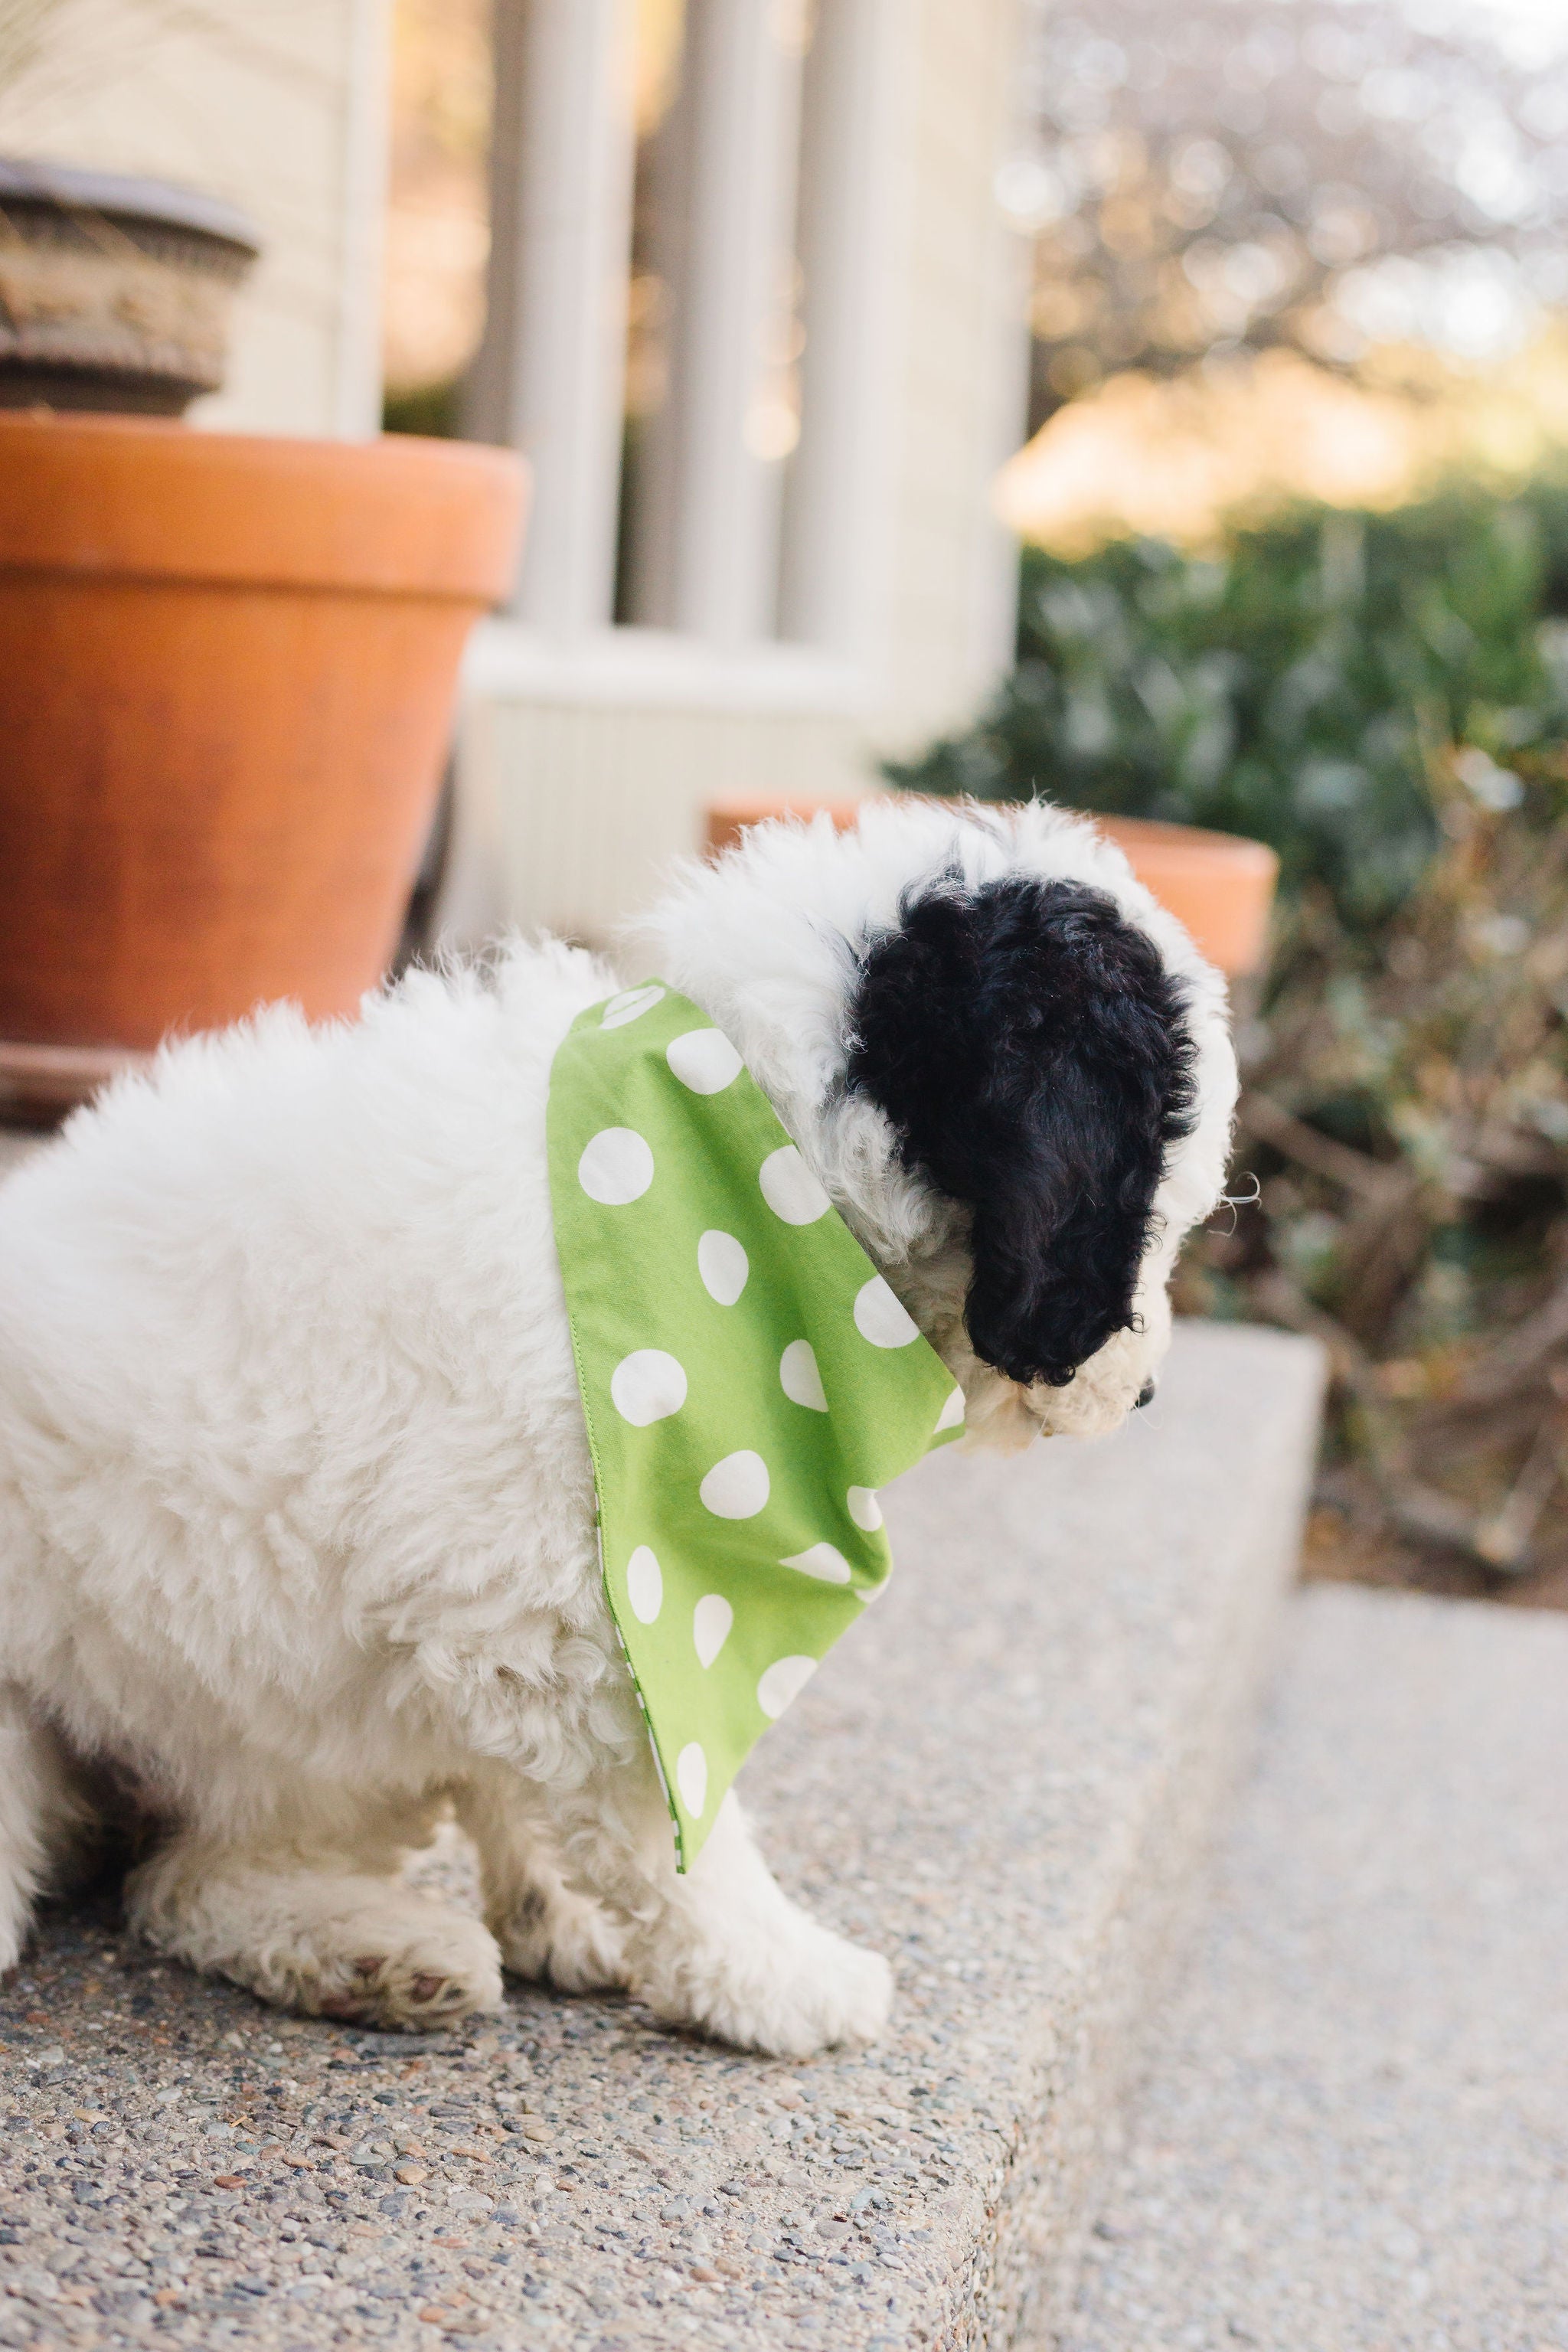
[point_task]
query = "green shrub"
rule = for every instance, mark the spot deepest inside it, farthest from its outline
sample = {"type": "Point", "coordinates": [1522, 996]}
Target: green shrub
{"type": "Point", "coordinates": [431, 409]}
{"type": "Point", "coordinates": [1385, 697]}
{"type": "Point", "coordinates": [1405, 1111]}
{"type": "Point", "coordinates": [1294, 688]}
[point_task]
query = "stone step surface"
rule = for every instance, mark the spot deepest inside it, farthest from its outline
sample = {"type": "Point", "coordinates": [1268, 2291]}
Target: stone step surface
{"type": "Point", "coordinates": [1003, 1779]}
{"type": "Point", "coordinates": [1354, 2137]}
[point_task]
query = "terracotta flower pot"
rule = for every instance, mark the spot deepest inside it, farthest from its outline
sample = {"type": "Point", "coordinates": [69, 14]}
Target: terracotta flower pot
{"type": "Point", "coordinates": [228, 667]}
{"type": "Point", "coordinates": [1219, 885]}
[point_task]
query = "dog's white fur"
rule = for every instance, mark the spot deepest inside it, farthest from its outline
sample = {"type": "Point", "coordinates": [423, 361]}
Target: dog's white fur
{"type": "Point", "coordinates": [296, 1505]}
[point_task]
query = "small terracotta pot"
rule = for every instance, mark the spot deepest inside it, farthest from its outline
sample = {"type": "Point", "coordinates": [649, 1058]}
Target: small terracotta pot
{"type": "Point", "coordinates": [227, 666]}
{"type": "Point", "coordinates": [1220, 885]}
{"type": "Point", "coordinates": [1216, 884]}
{"type": "Point", "coordinates": [728, 818]}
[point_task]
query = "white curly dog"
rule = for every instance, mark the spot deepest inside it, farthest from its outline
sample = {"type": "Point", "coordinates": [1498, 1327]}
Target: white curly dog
{"type": "Point", "coordinates": [297, 1545]}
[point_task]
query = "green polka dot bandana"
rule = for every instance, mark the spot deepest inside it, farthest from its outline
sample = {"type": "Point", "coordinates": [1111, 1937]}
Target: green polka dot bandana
{"type": "Point", "coordinates": [750, 1381]}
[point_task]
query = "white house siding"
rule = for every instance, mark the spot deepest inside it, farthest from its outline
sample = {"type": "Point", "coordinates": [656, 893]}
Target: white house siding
{"type": "Point", "coordinates": [280, 109]}
{"type": "Point", "coordinates": [574, 814]}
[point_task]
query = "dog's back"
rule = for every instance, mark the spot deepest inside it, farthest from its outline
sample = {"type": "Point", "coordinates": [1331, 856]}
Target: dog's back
{"type": "Point", "coordinates": [285, 1390]}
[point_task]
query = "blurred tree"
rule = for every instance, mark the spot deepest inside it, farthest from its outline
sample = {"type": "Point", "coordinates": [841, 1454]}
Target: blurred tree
{"type": "Point", "coordinates": [1327, 174]}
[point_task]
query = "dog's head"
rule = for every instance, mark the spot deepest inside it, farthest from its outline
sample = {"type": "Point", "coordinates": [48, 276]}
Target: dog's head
{"type": "Point", "coordinates": [1010, 1068]}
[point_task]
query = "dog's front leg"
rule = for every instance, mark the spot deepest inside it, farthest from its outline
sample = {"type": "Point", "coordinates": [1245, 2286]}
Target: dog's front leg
{"type": "Point", "coordinates": [315, 1928]}
{"type": "Point", "coordinates": [721, 1949]}
{"type": "Point", "coordinates": [546, 1931]}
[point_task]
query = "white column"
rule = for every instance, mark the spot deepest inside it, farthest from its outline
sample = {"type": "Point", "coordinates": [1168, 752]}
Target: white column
{"type": "Point", "coordinates": [994, 606]}
{"type": "Point", "coordinates": [743, 106]}
{"type": "Point", "coordinates": [549, 377]}
{"type": "Point", "coordinates": [854, 209]}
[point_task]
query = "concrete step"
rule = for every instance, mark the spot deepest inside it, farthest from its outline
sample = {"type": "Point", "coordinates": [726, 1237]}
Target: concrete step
{"type": "Point", "coordinates": [1003, 1780]}
{"type": "Point", "coordinates": [1355, 2135]}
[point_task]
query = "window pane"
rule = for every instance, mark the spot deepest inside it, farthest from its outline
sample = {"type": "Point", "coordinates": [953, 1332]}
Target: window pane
{"type": "Point", "coordinates": [437, 219]}
{"type": "Point", "coordinates": [644, 566]}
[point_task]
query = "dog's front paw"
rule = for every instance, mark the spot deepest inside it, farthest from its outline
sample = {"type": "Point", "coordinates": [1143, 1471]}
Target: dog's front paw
{"type": "Point", "coordinates": [786, 1990]}
{"type": "Point", "coordinates": [411, 1971]}
{"type": "Point", "coordinates": [554, 1937]}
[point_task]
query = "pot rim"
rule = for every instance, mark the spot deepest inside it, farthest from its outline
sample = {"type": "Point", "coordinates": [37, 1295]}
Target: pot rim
{"type": "Point", "coordinates": [117, 499]}
{"type": "Point", "coordinates": [35, 181]}
{"type": "Point", "coordinates": [1191, 845]}
{"type": "Point", "coordinates": [1162, 835]}
{"type": "Point", "coordinates": [1219, 886]}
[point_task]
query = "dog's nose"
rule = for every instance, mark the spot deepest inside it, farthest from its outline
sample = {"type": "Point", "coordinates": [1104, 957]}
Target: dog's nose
{"type": "Point", "coordinates": [1144, 1396]}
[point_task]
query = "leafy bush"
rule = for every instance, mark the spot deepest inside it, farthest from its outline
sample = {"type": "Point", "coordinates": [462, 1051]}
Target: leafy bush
{"type": "Point", "coordinates": [1405, 1110]}
{"type": "Point", "coordinates": [1386, 699]}
{"type": "Point", "coordinates": [1294, 687]}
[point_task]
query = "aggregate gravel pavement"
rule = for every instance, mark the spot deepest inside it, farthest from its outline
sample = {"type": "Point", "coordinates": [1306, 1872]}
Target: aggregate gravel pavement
{"type": "Point", "coordinates": [181, 2167]}
{"type": "Point", "coordinates": [1354, 2137]}
{"type": "Point", "coordinates": [975, 1783]}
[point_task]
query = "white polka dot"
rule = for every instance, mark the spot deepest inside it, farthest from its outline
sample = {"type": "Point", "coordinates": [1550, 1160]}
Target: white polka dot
{"type": "Point", "coordinates": [737, 1488]}
{"type": "Point", "coordinates": [952, 1414]}
{"type": "Point", "coordinates": [782, 1684]}
{"type": "Point", "coordinates": [692, 1778]}
{"type": "Point", "coordinates": [864, 1508]}
{"type": "Point", "coordinates": [824, 1561]}
{"type": "Point", "coordinates": [629, 1005]}
{"type": "Point", "coordinates": [703, 1060]}
{"type": "Point", "coordinates": [790, 1188]}
{"type": "Point", "coordinates": [798, 1375]}
{"type": "Point", "coordinates": [723, 1266]}
{"type": "Point", "coordinates": [644, 1585]}
{"type": "Point", "coordinates": [879, 1317]}
{"type": "Point", "coordinates": [647, 1385]}
{"type": "Point", "coordinates": [616, 1167]}
{"type": "Point", "coordinates": [710, 1623]}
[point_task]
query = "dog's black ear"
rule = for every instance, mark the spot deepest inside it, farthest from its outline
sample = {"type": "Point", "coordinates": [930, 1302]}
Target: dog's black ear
{"type": "Point", "coordinates": [1030, 1049]}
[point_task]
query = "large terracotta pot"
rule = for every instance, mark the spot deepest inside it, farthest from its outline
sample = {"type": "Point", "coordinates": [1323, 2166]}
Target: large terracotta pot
{"type": "Point", "coordinates": [227, 668]}
{"type": "Point", "coordinates": [1219, 885]}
